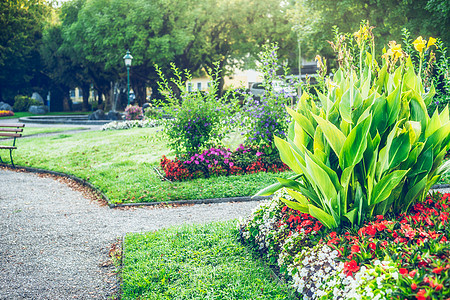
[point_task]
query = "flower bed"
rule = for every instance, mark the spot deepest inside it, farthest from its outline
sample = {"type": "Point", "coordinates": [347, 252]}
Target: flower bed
{"type": "Point", "coordinates": [218, 161]}
{"type": "Point", "coordinates": [392, 257]}
{"type": "Point", "coordinates": [119, 125]}
{"type": "Point", "coordinates": [6, 113]}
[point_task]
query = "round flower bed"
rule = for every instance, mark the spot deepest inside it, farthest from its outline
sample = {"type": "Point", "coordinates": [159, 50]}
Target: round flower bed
{"type": "Point", "coordinates": [218, 161]}
{"type": "Point", "coordinates": [392, 257]}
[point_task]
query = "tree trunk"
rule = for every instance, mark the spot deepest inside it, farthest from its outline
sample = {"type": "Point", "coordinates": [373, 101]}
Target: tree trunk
{"type": "Point", "coordinates": [139, 88]}
{"type": "Point", "coordinates": [86, 91]}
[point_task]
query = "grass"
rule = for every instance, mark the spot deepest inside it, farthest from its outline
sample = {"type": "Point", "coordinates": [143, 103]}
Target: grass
{"type": "Point", "coordinates": [120, 163]}
{"type": "Point", "coordinates": [195, 262]}
{"type": "Point", "coordinates": [27, 114]}
{"type": "Point", "coordinates": [40, 130]}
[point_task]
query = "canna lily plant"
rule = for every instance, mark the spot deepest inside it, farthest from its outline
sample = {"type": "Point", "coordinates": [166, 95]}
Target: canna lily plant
{"type": "Point", "coordinates": [369, 147]}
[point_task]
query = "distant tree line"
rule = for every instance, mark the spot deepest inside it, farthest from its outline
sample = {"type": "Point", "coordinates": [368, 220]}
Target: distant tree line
{"type": "Point", "coordinates": [53, 48]}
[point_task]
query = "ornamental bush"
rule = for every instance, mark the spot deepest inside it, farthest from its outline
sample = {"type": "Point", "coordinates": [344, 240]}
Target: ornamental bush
{"type": "Point", "coordinates": [369, 147]}
{"type": "Point", "coordinates": [200, 119]}
{"type": "Point", "coordinates": [133, 112]}
{"type": "Point", "coordinates": [23, 103]}
{"type": "Point", "coordinates": [265, 116]}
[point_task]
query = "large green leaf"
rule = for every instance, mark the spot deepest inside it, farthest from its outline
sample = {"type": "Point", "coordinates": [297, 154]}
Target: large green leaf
{"type": "Point", "coordinates": [435, 140]}
{"type": "Point", "coordinates": [302, 121]}
{"type": "Point", "coordinates": [384, 187]}
{"type": "Point", "coordinates": [411, 195]}
{"type": "Point", "coordinates": [299, 197]}
{"type": "Point", "coordinates": [355, 144]}
{"type": "Point", "coordinates": [444, 168]}
{"type": "Point", "coordinates": [393, 106]}
{"type": "Point", "coordinates": [434, 124]}
{"type": "Point", "coordinates": [334, 136]}
{"type": "Point", "coordinates": [321, 178]}
{"type": "Point", "coordinates": [399, 150]}
{"type": "Point", "coordinates": [429, 96]}
{"type": "Point", "coordinates": [286, 155]}
{"type": "Point", "coordinates": [296, 206]}
{"type": "Point", "coordinates": [418, 110]}
{"type": "Point", "coordinates": [324, 218]}
{"type": "Point", "coordinates": [275, 187]}
{"type": "Point", "coordinates": [379, 116]}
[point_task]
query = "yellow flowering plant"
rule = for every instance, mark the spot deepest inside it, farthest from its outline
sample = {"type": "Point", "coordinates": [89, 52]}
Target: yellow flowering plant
{"type": "Point", "coordinates": [369, 147]}
{"type": "Point", "coordinates": [419, 45]}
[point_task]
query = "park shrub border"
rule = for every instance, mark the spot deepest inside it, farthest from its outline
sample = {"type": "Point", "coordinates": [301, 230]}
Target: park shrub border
{"type": "Point", "coordinates": [405, 256]}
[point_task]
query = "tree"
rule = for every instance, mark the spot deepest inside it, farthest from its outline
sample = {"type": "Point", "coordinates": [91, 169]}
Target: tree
{"type": "Point", "coordinates": [421, 17]}
{"type": "Point", "coordinates": [21, 24]}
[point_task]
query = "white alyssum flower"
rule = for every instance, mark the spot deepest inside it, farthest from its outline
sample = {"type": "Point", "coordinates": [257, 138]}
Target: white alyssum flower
{"type": "Point", "coordinates": [120, 125]}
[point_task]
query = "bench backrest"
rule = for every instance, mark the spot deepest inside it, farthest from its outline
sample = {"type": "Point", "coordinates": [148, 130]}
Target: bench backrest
{"type": "Point", "coordinates": [11, 130]}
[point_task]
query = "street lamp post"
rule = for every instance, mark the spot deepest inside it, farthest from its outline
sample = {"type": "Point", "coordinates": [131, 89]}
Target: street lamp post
{"type": "Point", "coordinates": [128, 58]}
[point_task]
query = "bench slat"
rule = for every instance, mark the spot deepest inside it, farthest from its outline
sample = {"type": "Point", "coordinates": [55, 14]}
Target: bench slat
{"type": "Point", "coordinates": [10, 134]}
{"type": "Point", "coordinates": [8, 147]}
{"type": "Point", "coordinates": [11, 129]}
{"type": "Point", "coordinates": [12, 125]}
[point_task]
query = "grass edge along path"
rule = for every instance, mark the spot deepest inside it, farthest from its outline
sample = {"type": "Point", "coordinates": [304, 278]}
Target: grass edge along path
{"type": "Point", "coordinates": [120, 164]}
{"type": "Point", "coordinates": [195, 262]}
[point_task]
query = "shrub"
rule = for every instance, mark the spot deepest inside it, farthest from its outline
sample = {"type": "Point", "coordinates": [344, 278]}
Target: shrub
{"type": "Point", "coordinates": [200, 120]}
{"type": "Point", "coordinates": [23, 103]}
{"type": "Point", "coordinates": [265, 116]}
{"type": "Point", "coordinates": [133, 112]}
{"type": "Point", "coordinates": [370, 147]}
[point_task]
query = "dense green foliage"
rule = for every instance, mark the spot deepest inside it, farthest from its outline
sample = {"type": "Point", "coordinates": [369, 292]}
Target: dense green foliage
{"type": "Point", "coordinates": [195, 262]}
{"type": "Point", "coordinates": [370, 146]}
{"type": "Point", "coordinates": [23, 103]}
{"type": "Point", "coordinates": [199, 119]}
{"type": "Point", "coordinates": [20, 33]}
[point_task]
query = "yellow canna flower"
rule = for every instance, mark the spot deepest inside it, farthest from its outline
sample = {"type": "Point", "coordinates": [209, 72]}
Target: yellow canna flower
{"type": "Point", "coordinates": [419, 44]}
{"type": "Point", "coordinates": [395, 49]}
{"type": "Point", "coordinates": [431, 42]}
{"type": "Point", "coordinates": [318, 59]}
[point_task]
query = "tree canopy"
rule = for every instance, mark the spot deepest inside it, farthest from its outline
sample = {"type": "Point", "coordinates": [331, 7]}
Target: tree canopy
{"type": "Point", "coordinates": [21, 25]}
{"type": "Point", "coordinates": [82, 42]}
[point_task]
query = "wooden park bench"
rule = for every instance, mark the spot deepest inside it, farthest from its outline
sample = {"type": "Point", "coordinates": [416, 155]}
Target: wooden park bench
{"type": "Point", "coordinates": [11, 131]}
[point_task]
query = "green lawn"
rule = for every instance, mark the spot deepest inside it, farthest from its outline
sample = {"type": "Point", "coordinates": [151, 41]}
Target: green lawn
{"type": "Point", "coordinates": [195, 262]}
{"type": "Point", "coordinates": [120, 163]}
{"type": "Point", "coordinates": [27, 114]}
{"type": "Point", "coordinates": [39, 130]}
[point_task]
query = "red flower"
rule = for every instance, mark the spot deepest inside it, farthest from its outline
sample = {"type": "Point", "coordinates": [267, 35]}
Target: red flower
{"type": "Point", "coordinates": [351, 267]}
{"type": "Point", "coordinates": [421, 295]}
{"type": "Point", "coordinates": [437, 270]}
{"type": "Point", "coordinates": [412, 273]}
{"type": "Point", "coordinates": [403, 271]}
{"type": "Point", "coordinates": [355, 249]}
{"type": "Point", "coordinates": [413, 286]}
{"type": "Point", "coordinates": [439, 287]}
{"type": "Point", "coordinates": [371, 230]}
{"type": "Point", "coordinates": [373, 246]}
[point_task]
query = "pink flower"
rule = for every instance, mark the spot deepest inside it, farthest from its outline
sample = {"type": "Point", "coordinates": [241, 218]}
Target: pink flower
{"type": "Point", "coordinates": [259, 153]}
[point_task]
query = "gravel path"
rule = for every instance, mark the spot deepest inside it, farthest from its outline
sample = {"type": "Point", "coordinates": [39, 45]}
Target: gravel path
{"type": "Point", "coordinates": [54, 242]}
